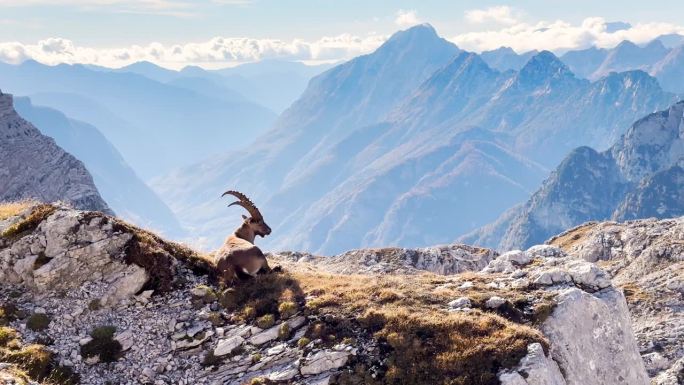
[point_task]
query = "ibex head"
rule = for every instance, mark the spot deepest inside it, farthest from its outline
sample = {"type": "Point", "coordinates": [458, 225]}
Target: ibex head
{"type": "Point", "coordinates": [255, 221]}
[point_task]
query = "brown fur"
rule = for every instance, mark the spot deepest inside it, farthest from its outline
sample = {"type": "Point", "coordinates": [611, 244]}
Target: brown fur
{"type": "Point", "coordinates": [239, 257]}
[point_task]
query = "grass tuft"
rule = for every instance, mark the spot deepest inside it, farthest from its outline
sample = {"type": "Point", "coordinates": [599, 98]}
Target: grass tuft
{"type": "Point", "coordinates": [38, 214]}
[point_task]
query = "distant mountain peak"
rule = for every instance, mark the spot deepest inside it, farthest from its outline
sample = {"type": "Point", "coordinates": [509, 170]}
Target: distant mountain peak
{"type": "Point", "coordinates": [419, 33]}
{"type": "Point", "coordinates": [544, 67]}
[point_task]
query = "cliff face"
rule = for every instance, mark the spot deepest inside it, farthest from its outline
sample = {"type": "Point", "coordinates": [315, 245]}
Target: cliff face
{"type": "Point", "coordinates": [32, 166]}
{"type": "Point", "coordinates": [646, 260]}
{"type": "Point", "coordinates": [120, 304]}
{"type": "Point", "coordinates": [640, 176]}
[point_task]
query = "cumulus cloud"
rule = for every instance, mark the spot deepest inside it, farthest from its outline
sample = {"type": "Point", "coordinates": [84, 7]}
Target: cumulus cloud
{"type": "Point", "coordinates": [216, 52]}
{"type": "Point", "coordinates": [406, 18]}
{"type": "Point", "coordinates": [501, 14]}
{"type": "Point", "coordinates": [561, 36]}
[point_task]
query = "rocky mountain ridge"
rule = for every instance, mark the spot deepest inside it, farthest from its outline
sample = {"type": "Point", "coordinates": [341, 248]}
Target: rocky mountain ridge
{"type": "Point", "coordinates": [640, 176]}
{"type": "Point", "coordinates": [167, 322]}
{"type": "Point", "coordinates": [32, 166]}
{"type": "Point", "coordinates": [366, 161]}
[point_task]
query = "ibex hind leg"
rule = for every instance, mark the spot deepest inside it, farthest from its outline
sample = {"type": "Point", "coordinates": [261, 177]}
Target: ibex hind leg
{"type": "Point", "coordinates": [229, 277]}
{"type": "Point", "coordinates": [242, 275]}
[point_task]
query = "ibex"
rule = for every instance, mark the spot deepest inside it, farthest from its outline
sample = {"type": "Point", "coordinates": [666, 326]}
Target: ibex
{"type": "Point", "coordinates": [239, 257]}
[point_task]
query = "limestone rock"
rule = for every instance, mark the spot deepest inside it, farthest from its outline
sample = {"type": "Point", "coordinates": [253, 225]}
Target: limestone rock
{"type": "Point", "coordinates": [323, 361]}
{"type": "Point", "coordinates": [226, 346]}
{"type": "Point", "coordinates": [582, 319]}
{"type": "Point", "coordinates": [534, 369]}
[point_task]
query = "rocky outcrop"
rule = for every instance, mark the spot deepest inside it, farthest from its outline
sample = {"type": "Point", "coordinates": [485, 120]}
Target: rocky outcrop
{"type": "Point", "coordinates": [32, 166]}
{"type": "Point", "coordinates": [95, 280]}
{"type": "Point", "coordinates": [646, 259]}
{"type": "Point", "coordinates": [445, 260]}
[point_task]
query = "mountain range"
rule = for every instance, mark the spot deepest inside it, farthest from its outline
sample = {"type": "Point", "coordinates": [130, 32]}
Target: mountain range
{"type": "Point", "coordinates": [663, 61]}
{"type": "Point", "coordinates": [155, 126]}
{"type": "Point", "coordinates": [32, 166]}
{"type": "Point", "coordinates": [640, 176]}
{"type": "Point", "coordinates": [116, 182]}
{"type": "Point", "coordinates": [362, 159]}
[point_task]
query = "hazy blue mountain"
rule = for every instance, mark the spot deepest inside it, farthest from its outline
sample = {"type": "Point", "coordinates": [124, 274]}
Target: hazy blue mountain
{"type": "Point", "coordinates": [670, 70]}
{"type": "Point", "coordinates": [629, 56]}
{"type": "Point", "coordinates": [640, 176]}
{"type": "Point", "coordinates": [662, 58]}
{"type": "Point", "coordinates": [404, 185]}
{"type": "Point", "coordinates": [33, 166]}
{"type": "Point", "coordinates": [275, 84]}
{"type": "Point", "coordinates": [167, 126]}
{"type": "Point", "coordinates": [149, 70]}
{"type": "Point", "coordinates": [504, 58]}
{"type": "Point", "coordinates": [362, 159]}
{"type": "Point", "coordinates": [671, 40]}
{"type": "Point", "coordinates": [584, 62]}
{"type": "Point", "coordinates": [117, 183]}
{"type": "Point", "coordinates": [336, 103]}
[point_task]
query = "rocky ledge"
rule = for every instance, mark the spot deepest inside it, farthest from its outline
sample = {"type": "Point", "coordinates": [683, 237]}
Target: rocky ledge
{"type": "Point", "coordinates": [105, 302]}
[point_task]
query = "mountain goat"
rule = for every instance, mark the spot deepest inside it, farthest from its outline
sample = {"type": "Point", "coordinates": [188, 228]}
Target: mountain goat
{"type": "Point", "coordinates": [239, 257]}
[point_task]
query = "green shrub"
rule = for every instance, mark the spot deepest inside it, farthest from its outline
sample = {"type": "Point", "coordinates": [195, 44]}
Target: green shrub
{"type": "Point", "coordinates": [38, 322]}
{"type": "Point", "coordinates": [94, 305]}
{"type": "Point", "coordinates": [103, 345]}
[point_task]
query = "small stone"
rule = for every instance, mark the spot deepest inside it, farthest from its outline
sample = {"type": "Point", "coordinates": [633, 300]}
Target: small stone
{"type": "Point", "coordinates": [459, 303]}
{"type": "Point", "coordinates": [149, 373]}
{"type": "Point", "coordinates": [227, 346]}
{"type": "Point", "coordinates": [494, 302]}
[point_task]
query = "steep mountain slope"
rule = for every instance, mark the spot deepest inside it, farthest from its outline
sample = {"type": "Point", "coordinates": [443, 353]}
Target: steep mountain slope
{"type": "Point", "coordinates": [181, 126]}
{"type": "Point", "coordinates": [335, 105]}
{"type": "Point", "coordinates": [118, 184]}
{"type": "Point", "coordinates": [670, 70]}
{"type": "Point", "coordinates": [640, 176]}
{"type": "Point", "coordinates": [32, 166]}
{"type": "Point", "coordinates": [351, 178]}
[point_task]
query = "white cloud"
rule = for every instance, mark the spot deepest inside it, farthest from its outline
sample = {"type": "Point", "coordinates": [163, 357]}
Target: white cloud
{"type": "Point", "coordinates": [406, 18]}
{"type": "Point", "coordinates": [561, 36]}
{"type": "Point", "coordinates": [216, 52]}
{"type": "Point", "coordinates": [501, 14]}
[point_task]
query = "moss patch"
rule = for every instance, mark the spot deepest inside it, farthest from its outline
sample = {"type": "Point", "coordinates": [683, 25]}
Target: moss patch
{"type": "Point", "coordinates": [103, 345]}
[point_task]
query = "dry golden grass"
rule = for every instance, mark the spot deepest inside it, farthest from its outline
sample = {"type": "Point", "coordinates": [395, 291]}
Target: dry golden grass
{"type": "Point", "coordinates": [568, 240]}
{"type": "Point", "coordinates": [28, 224]}
{"type": "Point", "coordinates": [34, 361]}
{"type": "Point", "coordinates": [155, 255]}
{"type": "Point", "coordinates": [425, 343]}
{"type": "Point", "coordinates": [10, 209]}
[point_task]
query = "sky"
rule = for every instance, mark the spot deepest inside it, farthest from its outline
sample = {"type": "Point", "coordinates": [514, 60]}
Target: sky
{"type": "Point", "coordinates": [221, 33]}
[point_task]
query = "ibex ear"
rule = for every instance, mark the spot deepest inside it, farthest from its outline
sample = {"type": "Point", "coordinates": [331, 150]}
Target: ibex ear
{"type": "Point", "coordinates": [244, 216]}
